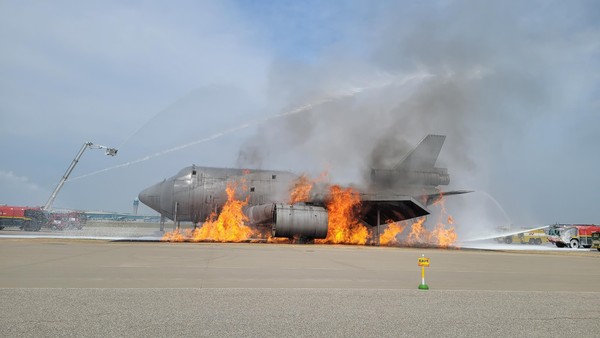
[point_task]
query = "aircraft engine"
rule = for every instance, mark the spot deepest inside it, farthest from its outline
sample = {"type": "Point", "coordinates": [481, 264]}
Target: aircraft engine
{"type": "Point", "coordinates": [291, 220]}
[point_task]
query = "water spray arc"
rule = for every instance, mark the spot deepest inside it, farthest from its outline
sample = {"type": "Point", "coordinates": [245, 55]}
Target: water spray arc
{"type": "Point", "coordinates": [301, 109]}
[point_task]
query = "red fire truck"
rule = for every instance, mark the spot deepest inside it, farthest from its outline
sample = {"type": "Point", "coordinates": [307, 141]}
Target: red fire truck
{"type": "Point", "coordinates": [34, 218]}
{"type": "Point", "coordinates": [572, 235]}
{"type": "Point", "coordinates": [26, 218]}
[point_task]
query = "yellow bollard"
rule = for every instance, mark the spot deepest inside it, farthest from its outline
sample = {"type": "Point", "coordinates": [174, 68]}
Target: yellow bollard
{"type": "Point", "coordinates": [423, 262]}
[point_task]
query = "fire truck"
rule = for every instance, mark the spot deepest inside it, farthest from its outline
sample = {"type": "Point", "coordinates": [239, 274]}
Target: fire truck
{"type": "Point", "coordinates": [26, 218]}
{"type": "Point", "coordinates": [33, 218]}
{"type": "Point", "coordinates": [596, 240]}
{"type": "Point", "coordinates": [572, 235]}
{"type": "Point", "coordinates": [531, 236]}
{"type": "Point", "coordinates": [536, 237]}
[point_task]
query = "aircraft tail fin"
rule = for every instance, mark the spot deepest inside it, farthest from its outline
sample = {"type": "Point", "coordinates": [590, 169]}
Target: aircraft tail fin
{"type": "Point", "coordinates": [424, 155]}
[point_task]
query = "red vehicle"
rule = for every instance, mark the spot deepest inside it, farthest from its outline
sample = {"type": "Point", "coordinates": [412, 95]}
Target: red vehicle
{"type": "Point", "coordinates": [572, 235]}
{"type": "Point", "coordinates": [26, 218]}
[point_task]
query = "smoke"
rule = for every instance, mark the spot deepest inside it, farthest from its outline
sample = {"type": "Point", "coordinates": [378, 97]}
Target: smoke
{"type": "Point", "coordinates": [482, 73]}
{"type": "Point", "coordinates": [336, 132]}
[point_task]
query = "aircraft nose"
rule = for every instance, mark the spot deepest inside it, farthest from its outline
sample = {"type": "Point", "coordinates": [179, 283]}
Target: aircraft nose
{"type": "Point", "coordinates": [151, 196]}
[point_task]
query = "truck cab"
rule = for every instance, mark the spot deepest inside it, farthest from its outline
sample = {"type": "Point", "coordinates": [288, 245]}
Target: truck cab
{"type": "Point", "coordinates": [596, 240]}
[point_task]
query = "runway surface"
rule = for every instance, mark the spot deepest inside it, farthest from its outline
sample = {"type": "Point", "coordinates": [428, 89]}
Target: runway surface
{"type": "Point", "coordinates": [69, 287]}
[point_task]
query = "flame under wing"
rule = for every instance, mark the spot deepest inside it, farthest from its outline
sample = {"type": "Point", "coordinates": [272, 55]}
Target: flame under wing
{"type": "Point", "coordinates": [387, 208]}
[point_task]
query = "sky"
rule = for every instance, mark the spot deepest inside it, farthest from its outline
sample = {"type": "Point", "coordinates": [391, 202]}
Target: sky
{"type": "Point", "coordinates": [514, 85]}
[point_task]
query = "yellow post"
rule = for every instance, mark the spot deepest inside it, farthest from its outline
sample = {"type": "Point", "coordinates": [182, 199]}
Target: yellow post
{"type": "Point", "coordinates": [423, 262]}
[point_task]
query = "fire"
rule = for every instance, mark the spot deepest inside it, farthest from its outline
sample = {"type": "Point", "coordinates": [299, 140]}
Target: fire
{"type": "Point", "coordinates": [389, 235]}
{"type": "Point", "coordinates": [229, 226]}
{"type": "Point", "coordinates": [303, 186]}
{"type": "Point", "coordinates": [174, 236]}
{"type": "Point", "coordinates": [445, 237]}
{"type": "Point", "coordinates": [278, 240]}
{"type": "Point", "coordinates": [344, 226]}
{"type": "Point", "coordinates": [301, 190]}
{"type": "Point", "coordinates": [443, 234]}
{"type": "Point", "coordinates": [418, 234]}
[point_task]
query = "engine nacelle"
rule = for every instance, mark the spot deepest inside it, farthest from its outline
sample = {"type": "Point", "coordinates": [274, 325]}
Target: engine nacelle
{"type": "Point", "coordinates": [291, 220]}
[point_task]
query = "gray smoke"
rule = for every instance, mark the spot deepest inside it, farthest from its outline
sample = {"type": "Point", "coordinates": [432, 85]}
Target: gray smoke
{"type": "Point", "coordinates": [486, 74]}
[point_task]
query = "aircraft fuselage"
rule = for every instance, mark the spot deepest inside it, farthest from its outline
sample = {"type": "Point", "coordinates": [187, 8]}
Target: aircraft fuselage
{"type": "Point", "coordinates": [195, 192]}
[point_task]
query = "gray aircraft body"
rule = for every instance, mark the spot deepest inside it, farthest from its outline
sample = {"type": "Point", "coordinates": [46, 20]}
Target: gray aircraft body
{"type": "Point", "coordinates": [394, 194]}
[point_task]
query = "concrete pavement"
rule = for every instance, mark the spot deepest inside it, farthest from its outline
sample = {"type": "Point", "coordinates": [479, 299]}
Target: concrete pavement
{"type": "Point", "coordinates": [80, 288]}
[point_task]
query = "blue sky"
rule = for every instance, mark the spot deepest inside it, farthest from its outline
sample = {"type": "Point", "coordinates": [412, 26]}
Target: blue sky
{"type": "Point", "coordinates": [513, 84]}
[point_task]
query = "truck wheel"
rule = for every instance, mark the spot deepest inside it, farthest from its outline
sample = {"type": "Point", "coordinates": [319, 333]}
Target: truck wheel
{"type": "Point", "coordinates": [538, 241]}
{"type": "Point", "coordinates": [574, 244]}
{"type": "Point", "coordinates": [508, 240]}
{"type": "Point", "coordinates": [560, 245]}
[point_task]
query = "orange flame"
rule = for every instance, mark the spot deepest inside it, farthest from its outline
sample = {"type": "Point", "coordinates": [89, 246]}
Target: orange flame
{"type": "Point", "coordinates": [418, 234]}
{"type": "Point", "coordinates": [278, 240]}
{"type": "Point", "coordinates": [174, 236]}
{"type": "Point", "coordinates": [301, 190]}
{"type": "Point", "coordinates": [389, 236]}
{"type": "Point", "coordinates": [343, 225]}
{"type": "Point", "coordinates": [229, 226]}
{"type": "Point", "coordinates": [443, 235]}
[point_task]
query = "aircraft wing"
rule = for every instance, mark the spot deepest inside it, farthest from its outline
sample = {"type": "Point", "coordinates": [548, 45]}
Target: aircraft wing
{"type": "Point", "coordinates": [391, 208]}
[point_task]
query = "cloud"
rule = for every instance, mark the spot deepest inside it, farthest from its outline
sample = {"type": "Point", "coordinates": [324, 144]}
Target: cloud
{"type": "Point", "coordinates": [93, 64]}
{"type": "Point", "coordinates": [512, 84]}
{"type": "Point", "coordinates": [77, 72]}
{"type": "Point", "coordinates": [17, 190]}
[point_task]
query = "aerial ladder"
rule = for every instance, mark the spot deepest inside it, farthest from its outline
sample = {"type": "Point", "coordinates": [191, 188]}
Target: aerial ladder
{"type": "Point", "coordinates": [86, 145]}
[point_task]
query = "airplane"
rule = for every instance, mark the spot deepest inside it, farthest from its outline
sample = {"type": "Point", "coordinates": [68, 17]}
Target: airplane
{"type": "Point", "coordinates": [394, 194]}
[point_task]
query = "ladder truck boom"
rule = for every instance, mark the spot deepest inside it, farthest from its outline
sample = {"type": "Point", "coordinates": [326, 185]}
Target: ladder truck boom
{"type": "Point", "coordinates": [86, 145]}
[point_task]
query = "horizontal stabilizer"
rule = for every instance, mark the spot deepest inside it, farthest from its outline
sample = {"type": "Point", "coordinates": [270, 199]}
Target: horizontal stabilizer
{"type": "Point", "coordinates": [432, 198]}
{"type": "Point", "coordinates": [391, 208]}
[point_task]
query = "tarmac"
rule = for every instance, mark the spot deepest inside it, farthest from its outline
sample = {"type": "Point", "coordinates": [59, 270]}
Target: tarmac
{"type": "Point", "coordinates": [90, 288]}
